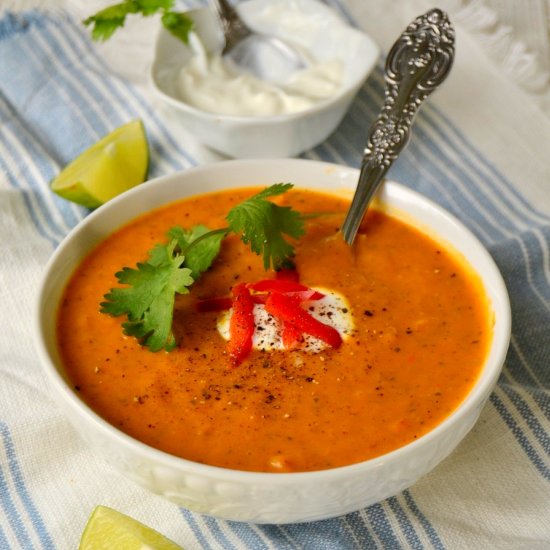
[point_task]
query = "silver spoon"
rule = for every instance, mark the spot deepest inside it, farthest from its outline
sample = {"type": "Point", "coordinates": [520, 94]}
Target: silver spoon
{"type": "Point", "coordinates": [266, 57]}
{"type": "Point", "coordinates": [417, 64]}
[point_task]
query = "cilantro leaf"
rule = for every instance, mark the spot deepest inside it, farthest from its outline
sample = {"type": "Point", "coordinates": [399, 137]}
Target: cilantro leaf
{"type": "Point", "coordinates": [149, 7]}
{"type": "Point", "coordinates": [148, 300]}
{"type": "Point", "coordinates": [264, 224]}
{"type": "Point", "coordinates": [106, 21]}
{"type": "Point", "coordinates": [199, 257]}
{"type": "Point", "coordinates": [157, 255]}
{"type": "Point", "coordinates": [179, 24]}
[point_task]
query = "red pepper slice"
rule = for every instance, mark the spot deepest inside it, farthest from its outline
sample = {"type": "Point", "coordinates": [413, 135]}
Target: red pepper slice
{"type": "Point", "coordinates": [290, 335]}
{"type": "Point", "coordinates": [288, 310]}
{"type": "Point", "coordinates": [241, 325]}
{"type": "Point", "coordinates": [259, 298]}
{"type": "Point", "coordinates": [213, 304]}
{"type": "Point", "coordinates": [276, 285]}
{"type": "Point", "coordinates": [306, 295]}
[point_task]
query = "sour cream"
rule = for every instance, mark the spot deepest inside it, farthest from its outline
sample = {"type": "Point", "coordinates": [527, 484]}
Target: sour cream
{"type": "Point", "coordinates": [333, 310]}
{"type": "Point", "coordinates": [209, 83]}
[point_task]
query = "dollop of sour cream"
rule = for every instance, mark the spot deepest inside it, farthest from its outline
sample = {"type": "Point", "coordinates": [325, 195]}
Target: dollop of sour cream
{"type": "Point", "coordinates": [333, 309]}
{"type": "Point", "coordinates": [209, 83]}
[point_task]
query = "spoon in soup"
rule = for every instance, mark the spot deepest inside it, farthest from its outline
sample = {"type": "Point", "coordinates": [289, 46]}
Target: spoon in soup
{"type": "Point", "coordinates": [416, 65]}
{"type": "Point", "coordinates": [264, 56]}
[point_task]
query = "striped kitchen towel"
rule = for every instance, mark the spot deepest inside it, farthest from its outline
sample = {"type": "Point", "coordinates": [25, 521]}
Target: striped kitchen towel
{"type": "Point", "coordinates": [58, 95]}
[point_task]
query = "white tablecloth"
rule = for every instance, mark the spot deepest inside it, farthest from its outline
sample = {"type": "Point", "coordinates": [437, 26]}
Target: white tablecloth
{"type": "Point", "coordinates": [481, 148]}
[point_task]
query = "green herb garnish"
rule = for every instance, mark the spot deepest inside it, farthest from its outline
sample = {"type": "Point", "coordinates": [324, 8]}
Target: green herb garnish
{"type": "Point", "coordinates": [264, 224]}
{"type": "Point", "coordinates": [149, 297]}
{"type": "Point", "coordinates": [148, 300]}
{"type": "Point", "coordinates": [106, 21]}
{"type": "Point", "coordinates": [206, 246]}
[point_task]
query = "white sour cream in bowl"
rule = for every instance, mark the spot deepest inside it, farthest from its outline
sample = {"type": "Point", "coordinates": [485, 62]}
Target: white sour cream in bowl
{"type": "Point", "coordinates": [211, 84]}
{"type": "Point", "coordinates": [240, 116]}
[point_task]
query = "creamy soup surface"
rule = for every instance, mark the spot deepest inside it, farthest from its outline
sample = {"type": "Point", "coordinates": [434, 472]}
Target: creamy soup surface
{"type": "Point", "coordinates": [421, 331]}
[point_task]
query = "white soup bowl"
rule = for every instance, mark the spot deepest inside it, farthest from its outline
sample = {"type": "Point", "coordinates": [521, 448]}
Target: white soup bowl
{"type": "Point", "coordinates": [267, 497]}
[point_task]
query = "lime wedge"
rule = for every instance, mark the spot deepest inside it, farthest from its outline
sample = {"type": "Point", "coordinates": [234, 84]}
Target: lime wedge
{"type": "Point", "coordinates": [114, 164]}
{"type": "Point", "coordinates": [107, 529]}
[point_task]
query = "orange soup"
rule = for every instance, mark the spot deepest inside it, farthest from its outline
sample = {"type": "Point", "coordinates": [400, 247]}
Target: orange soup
{"type": "Point", "coordinates": [421, 331]}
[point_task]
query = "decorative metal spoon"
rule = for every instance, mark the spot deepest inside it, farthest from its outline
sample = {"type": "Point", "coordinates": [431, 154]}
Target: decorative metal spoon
{"type": "Point", "coordinates": [266, 57]}
{"type": "Point", "coordinates": [417, 64]}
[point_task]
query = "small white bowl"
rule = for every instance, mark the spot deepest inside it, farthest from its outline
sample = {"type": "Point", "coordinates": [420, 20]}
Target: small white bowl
{"type": "Point", "coordinates": [267, 497]}
{"type": "Point", "coordinates": [285, 135]}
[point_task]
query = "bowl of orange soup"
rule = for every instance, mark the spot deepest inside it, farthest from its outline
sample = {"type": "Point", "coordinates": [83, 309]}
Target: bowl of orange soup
{"type": "Point", "coordinates": [375, 376]}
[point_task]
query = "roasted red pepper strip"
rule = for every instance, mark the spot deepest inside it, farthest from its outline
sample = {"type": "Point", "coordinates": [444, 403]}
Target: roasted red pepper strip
{"type": "Point", "coordinates": [290, 335]}
{"type": "Point", "coordinates": [241, 325]}
{"type": "Point", "coordinates": [306, 295]}
{"type": "Point", "coordinates": [213, 304]}
{"type": "Point", "coordinates": [288, 310]}
{"type": "Point", "coordinates": [276, 285]}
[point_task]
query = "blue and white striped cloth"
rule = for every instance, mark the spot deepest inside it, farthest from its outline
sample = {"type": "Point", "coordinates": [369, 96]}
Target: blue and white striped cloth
{"type": "Point", "coordinates": [57, 97]}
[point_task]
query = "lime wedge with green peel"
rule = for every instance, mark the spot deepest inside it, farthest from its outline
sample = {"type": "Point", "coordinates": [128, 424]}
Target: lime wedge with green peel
{"type": "Point", "coordinates": [114, 164]}
{"type": "Point", "coordinates": [107, 529]}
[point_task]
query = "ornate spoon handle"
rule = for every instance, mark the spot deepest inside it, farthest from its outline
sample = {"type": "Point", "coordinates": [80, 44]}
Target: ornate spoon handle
{"type": "Point", "coordinates": [417, 64]}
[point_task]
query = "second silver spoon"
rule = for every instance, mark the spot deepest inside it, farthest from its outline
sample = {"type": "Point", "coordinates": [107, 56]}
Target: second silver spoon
{"type": "Point", "coordinates": [417, 64]}
{"type": "Point", "coordinates": [264, 56]}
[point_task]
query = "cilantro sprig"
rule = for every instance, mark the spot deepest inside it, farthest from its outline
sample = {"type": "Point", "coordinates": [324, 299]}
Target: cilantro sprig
{"type": "Point", "coordinates": [148, 298]}
{"type": "Point", "coordinates": [106, 21]}
{"type": "Point", "coordinates": [263, 224]}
